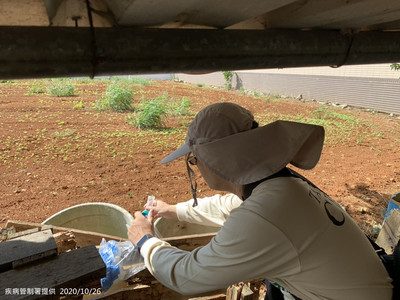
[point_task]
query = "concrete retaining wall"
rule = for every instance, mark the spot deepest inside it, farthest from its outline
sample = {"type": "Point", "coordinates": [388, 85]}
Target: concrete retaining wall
{"type": "Point", "coordinates": [376, 92]}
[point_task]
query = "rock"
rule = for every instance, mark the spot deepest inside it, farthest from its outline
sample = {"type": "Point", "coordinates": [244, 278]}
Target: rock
{"type": "Point", "coordinates": [375, 229]}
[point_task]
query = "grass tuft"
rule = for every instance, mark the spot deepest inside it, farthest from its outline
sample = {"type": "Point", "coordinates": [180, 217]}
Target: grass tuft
{"type": "Point", "coordinates": [117, 98]}
{"type": "Point", "coordinates": [61, 89]}
{"type": "Point", "coordinates": [150, 115]}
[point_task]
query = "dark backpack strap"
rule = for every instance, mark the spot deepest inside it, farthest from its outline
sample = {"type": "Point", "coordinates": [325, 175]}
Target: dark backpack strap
{"type": "Point", "coordinates": [378, 249]}
{"type": "Point", "coordinates": [392, 265]}
{"type": "Point", "coordinates": [295, 174]}
{"type": "Point", "coordinates": [275, 293]}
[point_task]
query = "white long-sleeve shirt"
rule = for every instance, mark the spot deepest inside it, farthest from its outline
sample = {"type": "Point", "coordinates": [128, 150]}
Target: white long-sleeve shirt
{"type": "Point", "coordinates": [288, 232]}
{"type": "Point", "coordinates": [210, 211]}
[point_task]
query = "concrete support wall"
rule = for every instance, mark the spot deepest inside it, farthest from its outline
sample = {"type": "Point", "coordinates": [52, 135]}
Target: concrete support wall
{"type": "Point", "coordinates": [379, 94]}
{"type": "Point", "coordinates": [213, 79]}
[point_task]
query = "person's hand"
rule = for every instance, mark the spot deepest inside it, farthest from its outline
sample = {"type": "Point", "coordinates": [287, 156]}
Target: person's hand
{"type": "Point", "coordinates": [140, 227]}
{"type": "Point", "coordinates": [159, 209]}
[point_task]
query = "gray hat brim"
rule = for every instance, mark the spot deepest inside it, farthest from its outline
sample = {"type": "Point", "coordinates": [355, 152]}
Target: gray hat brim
{"type": "Point", "coordinates": [255, 154]}
{"type": "Point", "coordinates": [181, 151]}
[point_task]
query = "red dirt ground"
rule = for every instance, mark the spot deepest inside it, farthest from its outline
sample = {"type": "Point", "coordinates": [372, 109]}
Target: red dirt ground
{"type": "Point", "coordinates": [58, 152]}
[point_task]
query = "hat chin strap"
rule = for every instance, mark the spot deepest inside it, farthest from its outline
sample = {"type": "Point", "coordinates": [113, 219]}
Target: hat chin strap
{"type": "Point", "coordinates": [192, 179]}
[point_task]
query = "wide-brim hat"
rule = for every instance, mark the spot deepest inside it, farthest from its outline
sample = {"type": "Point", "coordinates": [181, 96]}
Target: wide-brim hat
{"type": "Point", "coordinates": [222, 136]}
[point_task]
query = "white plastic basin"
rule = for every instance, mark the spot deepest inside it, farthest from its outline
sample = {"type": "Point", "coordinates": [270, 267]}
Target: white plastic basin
{"type": "Point", "coordinates": [104, 218]}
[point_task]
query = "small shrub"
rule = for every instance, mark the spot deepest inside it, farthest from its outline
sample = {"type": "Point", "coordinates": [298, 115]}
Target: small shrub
{"type": "Point", "coordinates": [117, 98]}
{"type": "Point", "coordinates": [149, 116]}
{"type": "Point", "coordinates": [395, 66]}
{"type": "Point", "coordinates": [178, 107]}
{"type": "Point", "coordinates": [59, 89]}
{"type": "Point", "coordinates": [256, 94]}
{"type": "Point", "coordinates": [228, 79]}
{"type": "Point", "coordinates": [183, 108]}
{"type": "Point", "coordinates": [35, 90]}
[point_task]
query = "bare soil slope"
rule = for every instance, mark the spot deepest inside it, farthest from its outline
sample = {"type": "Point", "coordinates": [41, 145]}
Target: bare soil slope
{"type": "Point", "coordinates": [56, 152]}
